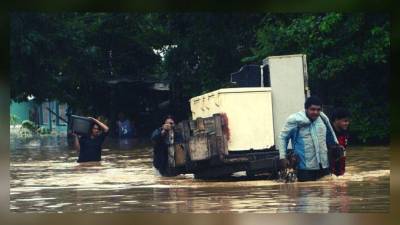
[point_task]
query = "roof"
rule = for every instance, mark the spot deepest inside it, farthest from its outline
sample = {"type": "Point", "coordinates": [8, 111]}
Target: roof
{"type": "Point", "coordinates": [152, 84]}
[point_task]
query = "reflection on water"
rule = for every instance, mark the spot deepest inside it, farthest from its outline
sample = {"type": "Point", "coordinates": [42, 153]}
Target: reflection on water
{"type": "Point", "coordinates": [44, 177]}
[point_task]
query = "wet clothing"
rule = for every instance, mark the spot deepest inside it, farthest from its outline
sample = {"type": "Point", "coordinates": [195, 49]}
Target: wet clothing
{"type": "Point", "coordinates": [311, 175]}
{"type": "Point", "coordinates": [338, 157]}
{"type": "Point", "coordinates": [309, 140]}
{"type": "Point", "coordinates": [160, 152]}
{"type": "Point", "coordinates": [90, 148]}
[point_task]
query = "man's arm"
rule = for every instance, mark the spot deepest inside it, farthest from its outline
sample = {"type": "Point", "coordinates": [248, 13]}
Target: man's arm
{"type": "Point", "coordinates": [160, 132]}
{"type": "Point", "coordinates": [330, 133]}
{"type": "Point", "coordinates": [156, 135]}
{"type": "Point", "coordinates": [77, 146]}
{"type": "Point", "coordinates": [102, 125]}
{"type": "Point", "coordinates": [285, 135]}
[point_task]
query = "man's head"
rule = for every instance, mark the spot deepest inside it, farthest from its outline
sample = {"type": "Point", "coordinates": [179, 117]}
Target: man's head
{"type": "Point", "coordinates": [95, 130]}
{"type": "Point", "coordinates": [313, 106]}
{"type": "Point", "coordinates": [121, 116]}
{"type": "Point", "coordinates": [169, 120]}
{"type": "Point", "coordinates": [341, 118]}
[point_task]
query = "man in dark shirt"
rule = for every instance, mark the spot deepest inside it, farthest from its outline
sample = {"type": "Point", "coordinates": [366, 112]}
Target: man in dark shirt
{"type": "Point", "coordinates": [163, 138]}
{"type": "Point", "coordinates": [340, 123]}
{"type": "Point", "coordinates": [89, 147]}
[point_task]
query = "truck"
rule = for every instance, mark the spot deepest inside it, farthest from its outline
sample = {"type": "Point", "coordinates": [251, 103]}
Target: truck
{"type": "Point", "coordinates": [236, 129]}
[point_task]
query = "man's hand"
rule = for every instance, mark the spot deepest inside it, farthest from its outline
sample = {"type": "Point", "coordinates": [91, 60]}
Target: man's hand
{"type": "Point", "coordinates": [102, 125]}
{"type": "Point", "coordinates": [284, 163]}
{"type": "Point", "coordinates": [165, 127]}
{"type": "Point", "coordinates": [336, 151]}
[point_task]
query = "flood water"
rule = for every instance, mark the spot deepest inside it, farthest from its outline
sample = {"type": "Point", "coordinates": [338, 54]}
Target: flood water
{"type": "Point", "coordinates": [44, 177]}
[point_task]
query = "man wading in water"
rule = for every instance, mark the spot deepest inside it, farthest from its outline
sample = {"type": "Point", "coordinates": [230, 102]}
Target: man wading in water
{"type": "Point", "coordinates": [163, 138]}
{"type": "Point", "coordinates": [89, 147]}
{"type": "Point", "coordinates": [310, 132]}
{"type": "Point", "coordinates": [340, 123]}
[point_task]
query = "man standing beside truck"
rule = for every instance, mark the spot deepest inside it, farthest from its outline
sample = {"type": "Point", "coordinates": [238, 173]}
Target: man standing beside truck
{"type": "Point", "coordinates": [163, 138]}
{"type": "Point", "coordinates": [310, 133]}
{"type": "Point", "coordinates": [340, 123]}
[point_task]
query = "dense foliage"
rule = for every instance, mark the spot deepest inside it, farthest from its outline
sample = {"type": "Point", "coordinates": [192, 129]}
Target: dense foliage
{"type": "Point", "coordinates": [64, 56]}
{"type": "Point", "coordinates": [348, 62]}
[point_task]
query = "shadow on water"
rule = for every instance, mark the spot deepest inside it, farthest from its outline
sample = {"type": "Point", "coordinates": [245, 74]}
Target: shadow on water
{"type": "Point", "coordinates": [44, 177]}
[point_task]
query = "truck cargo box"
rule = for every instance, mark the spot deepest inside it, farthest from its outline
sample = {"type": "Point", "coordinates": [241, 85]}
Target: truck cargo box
{"type": "Point", "coordinates": [249, 114]}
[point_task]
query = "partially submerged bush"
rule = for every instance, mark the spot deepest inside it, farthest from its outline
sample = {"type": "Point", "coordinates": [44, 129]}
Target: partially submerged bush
{"type": "Point", "coordinates": [28, 129]}
{"type": "Point", "coordinates": [43, 130]}
{"type": "Point", "coordinates": [25, 133]}
{"type": "Point", "coordinates": [27, 124]}
{"type": "Point", "coordinates": [14, 120]}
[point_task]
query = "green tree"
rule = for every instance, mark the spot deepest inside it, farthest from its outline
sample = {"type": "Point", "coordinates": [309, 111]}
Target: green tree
{"type": "Point", "coordinates": [209, 47]}
{"type": "Point", "coordinates": [348, 62]}
{"type": "Point", "coordinates": [66, 56]}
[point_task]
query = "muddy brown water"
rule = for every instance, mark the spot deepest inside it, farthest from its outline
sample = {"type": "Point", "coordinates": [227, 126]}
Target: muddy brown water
{"type": "Point", "coordinates": [44, 177]}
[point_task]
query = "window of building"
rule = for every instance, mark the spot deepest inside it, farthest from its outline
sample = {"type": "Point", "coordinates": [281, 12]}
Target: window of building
{"type": "Point", "coordinates": [45, 112]}
{"type": "Point", "coordinates": [62, 110]}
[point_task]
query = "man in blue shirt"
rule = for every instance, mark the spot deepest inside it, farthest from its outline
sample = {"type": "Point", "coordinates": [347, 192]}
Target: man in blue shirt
{"type": "Point", "coordinates": [125, 127]}
{"type": "Point", "coordinates": [310, 133]}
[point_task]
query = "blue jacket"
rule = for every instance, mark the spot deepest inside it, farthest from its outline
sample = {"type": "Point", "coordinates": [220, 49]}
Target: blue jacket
{"type": "Point", "coordinates": [309, 140]}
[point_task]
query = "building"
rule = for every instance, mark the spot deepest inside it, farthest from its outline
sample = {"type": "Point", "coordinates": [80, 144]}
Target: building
{"type": "Point", "coordinates": [49, 114]}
